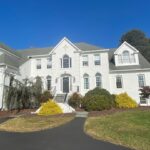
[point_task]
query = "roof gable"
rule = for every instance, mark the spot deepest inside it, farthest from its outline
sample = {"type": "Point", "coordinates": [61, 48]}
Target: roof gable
{"type": "Point", "coordinates": [125, 45]}
{"type": "Point", "coordinates": [65, 40]}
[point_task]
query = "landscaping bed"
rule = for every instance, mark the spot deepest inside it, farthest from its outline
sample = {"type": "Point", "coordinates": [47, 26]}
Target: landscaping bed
{"type": "Point", "coordinates": [130, 128]}
{"type": "Point", "coordinates": [31, 123]}
{"type": "Point", "coordinates": [16, 112]}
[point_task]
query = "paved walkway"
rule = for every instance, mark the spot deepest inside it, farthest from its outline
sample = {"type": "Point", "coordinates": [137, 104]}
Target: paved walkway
{"type": "Point", "coordinates": [67, 137]}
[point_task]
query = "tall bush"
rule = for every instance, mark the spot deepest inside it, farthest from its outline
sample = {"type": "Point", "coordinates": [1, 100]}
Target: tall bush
{"type": "Point", "coordinates": [97, 99]}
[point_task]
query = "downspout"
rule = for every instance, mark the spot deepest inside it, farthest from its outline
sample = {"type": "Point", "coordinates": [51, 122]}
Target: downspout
{"type": "Point", "coordinates": [3, 88]}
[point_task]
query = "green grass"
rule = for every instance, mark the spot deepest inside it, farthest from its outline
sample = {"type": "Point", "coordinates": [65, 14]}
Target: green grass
{"type": "Point", "coordinates": [131, 128]}
{"type": "Point", "coordinates": [34, 123]}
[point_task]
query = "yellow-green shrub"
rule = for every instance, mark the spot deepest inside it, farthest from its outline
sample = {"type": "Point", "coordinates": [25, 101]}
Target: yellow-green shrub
{"type": "Point", "coordinates": [123, 100]}
{"type": "Point", "coordinates": [50, 108]}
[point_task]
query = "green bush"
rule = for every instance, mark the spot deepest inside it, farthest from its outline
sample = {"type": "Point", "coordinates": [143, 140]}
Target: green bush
{"type": "Point", "coordinates": [98, 99]}
{"type": "Point", "coordinates": [45, 96]}
{"type": "Point", "coordinates": [75, 100]}
{"type": "Point", "coordinates": [123, 100]}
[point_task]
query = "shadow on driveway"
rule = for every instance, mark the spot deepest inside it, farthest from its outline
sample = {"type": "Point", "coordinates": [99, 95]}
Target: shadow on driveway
{"type": "Point", "coordinates": [67, 137]}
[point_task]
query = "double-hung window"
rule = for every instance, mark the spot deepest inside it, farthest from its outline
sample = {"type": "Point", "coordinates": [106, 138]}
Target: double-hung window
{"type": "Point", "coordinates": [98, 80]}
{"type": "Point", "coordinates": [38, 64]}
{"type": "Point", "coordinates": [85, 60]}
{"type": "Point", "coordinates": [86, 81]}
{"type": "Point", "coordinates": [119, 82]}
{"type": "Point", "coordinates": [141, 80]}
{"type": "Point", "coordinates": [49, 62]}
{"type": "Point", "coordinates": [97, 59]}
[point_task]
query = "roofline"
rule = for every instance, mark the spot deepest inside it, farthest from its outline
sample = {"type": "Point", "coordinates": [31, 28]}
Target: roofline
{"type": "Point", "coordinates": [91, 51]}
{"type": "Point", "coordinates": [4, 64]}
{"type": "Point", "coordinates": [11, 53]}
{"type": "Point", "coordinates": [115, 52]}
{"type": "Point", "coordinates": [129, 70]}
{"type": "Point", "coordinates": [64, 39]}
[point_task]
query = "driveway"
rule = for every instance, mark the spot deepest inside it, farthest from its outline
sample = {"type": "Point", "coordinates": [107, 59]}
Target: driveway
{"type": "Point", "coordinates": [67, 137]}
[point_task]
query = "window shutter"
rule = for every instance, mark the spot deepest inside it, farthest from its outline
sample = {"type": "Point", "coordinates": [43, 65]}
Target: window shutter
{"type": "Point", "coordinates": [61, 62]}
{"type": "Point", "coordinates": [70, 62]}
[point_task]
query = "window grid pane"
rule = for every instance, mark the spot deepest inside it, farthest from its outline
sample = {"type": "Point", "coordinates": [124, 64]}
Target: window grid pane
{"type": "Point", "coordinates": [86, 83]}
{"type": "Point", "coordinates": [119, 82]}
{"type": "Point", "coordinates": [49, 62]}
{"type": "Point", "coordinates": [98, 81]}
{"type": "Point", "coordinates": [85, 61]}
{"type": "Point", "coordinates": [38, 66]}
{"type": "Point", "coordinates": [141, 79]}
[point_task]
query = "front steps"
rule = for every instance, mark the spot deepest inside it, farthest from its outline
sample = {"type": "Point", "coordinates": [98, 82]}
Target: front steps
{"type": "Point", "coordinates": [60, 98]}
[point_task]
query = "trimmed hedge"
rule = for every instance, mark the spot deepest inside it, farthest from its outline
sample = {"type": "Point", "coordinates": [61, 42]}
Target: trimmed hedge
{"type": "Point", "coordinates": [123, 100]}
{"type": "Point", "coordinates": [97, 100]}
{"type": "Point", "coordinates": [50, 108]}
{"type": "Point", "coordinates": [75, 100]}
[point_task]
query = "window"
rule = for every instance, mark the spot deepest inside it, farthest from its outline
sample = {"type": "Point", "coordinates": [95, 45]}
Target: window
{"type": "Point", "coordinates": [38, 63]}
{"type": "Point", "coordinates": [143, 100]}
{"type": "Point", "coordinates": [132, 58]}
{"type": "Point", "coordinates": [120, 59]}
{"type": "Point", "coordinates": [85, 60]}
{"type": "Point", "coordinates": [48, 82]}
{"type": "Point", "coordinates": [126, 57]}
{"type": "Point", "coordinates": [119, 82]}
{"type": "Point", "coordinates": [66, 62]}
{"type": "Point", "coordinates": [49, 62]}
{"type": "Point", "coordinates": [97, 59]}
{"type": "Point", "coordinates": [86, 81]}
{"type": "Point", "coordinates": [98, 80]}
{"type": "Point", "coordinates": [141, 80]}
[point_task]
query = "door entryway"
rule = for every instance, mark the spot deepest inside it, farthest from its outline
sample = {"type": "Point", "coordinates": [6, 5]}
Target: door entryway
{"type": "Point", "coordinates": [65, 84]}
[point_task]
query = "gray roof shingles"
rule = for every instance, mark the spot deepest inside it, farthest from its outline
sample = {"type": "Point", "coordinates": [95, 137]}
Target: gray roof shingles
{"type": "Point", "coordinates": [13, 61]}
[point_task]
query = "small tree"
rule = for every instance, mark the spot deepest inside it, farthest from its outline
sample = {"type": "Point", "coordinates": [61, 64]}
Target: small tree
{"type": "Point", "coordinates": [145, 92]}
{"type": "Point", "coordinates": [37, 90]}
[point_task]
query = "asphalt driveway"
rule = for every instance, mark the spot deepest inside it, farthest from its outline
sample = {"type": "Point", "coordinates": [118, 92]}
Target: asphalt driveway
{"type": "Point", "coordinates": [67, 137]}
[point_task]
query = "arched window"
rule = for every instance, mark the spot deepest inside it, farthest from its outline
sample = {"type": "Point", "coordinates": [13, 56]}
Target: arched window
{"type": "Point", "coordinates": [126, 57]}
{"type": "Point", "coordinates": [98, 80]}
{"type": "Point", "coordinates": [49, 80]}
{"type": "Point", "coordinates": [66, 61]}
{"type": "Point", "coordinates": [86, 81]}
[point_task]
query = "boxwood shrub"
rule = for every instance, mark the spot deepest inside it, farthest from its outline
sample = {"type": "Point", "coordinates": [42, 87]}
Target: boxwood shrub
{"type": "Point", "coordinates": [97, 100]}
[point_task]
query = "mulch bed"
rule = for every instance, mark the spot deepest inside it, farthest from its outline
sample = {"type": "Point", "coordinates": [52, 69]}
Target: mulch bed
{"type": "Point", "coordinates": [114, 110]}
{"type": "Point", "coordinates": [16, 113]}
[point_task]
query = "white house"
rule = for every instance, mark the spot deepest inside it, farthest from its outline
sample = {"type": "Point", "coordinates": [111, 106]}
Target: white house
{"type": "Point", "coordinates": [78, 67]}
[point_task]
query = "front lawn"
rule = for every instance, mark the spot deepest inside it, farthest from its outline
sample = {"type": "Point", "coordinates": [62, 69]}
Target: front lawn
{"type": "Point", "coordinates": [34, 123]}
{"type": "Point", "coordinates": [130, 128]}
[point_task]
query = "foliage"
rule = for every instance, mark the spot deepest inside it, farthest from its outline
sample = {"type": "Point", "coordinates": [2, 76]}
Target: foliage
{"type": "Point", "coordinates": [98, 99]}
{"type": "Point", "coordinates": [123, 100]}
{"type": "Point", "coordinates": [37, 90]}
{"type": "Point", "coordinates": [139, 40]}
{"type": "Point", "coordinates": [75, 100]}
{"type": "Point", "coordinates": [45, 96]}
{"type": "Point", "coordinates": [23, 95]}
{"type": "Point", "coordinates": [50, 108]}
{"type": "Point", "coordinates": [145, 92]}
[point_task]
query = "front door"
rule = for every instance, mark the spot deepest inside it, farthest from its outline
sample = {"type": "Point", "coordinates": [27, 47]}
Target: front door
{"type": "Point", "coordinates": [65, 84]}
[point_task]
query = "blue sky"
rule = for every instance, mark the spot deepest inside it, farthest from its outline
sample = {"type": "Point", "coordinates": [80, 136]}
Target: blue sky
{"type": "Point", "coordinates": [42, 23]}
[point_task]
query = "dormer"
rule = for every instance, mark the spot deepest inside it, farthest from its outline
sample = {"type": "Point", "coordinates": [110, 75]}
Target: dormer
{"type": "Point", "coordinates": [126, 55]}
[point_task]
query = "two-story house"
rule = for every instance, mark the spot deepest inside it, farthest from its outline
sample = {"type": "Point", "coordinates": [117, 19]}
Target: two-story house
{"type": "Point", "coordinates": [78, 67]}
